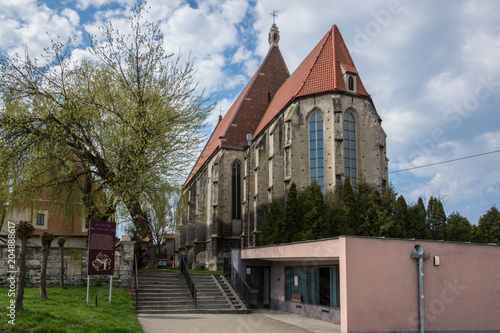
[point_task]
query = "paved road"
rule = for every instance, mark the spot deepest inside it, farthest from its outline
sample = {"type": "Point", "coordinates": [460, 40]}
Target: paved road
{"type": "Point", "coordinates": [261, 321]}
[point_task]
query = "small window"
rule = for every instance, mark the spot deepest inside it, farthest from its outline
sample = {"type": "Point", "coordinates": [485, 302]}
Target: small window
{"type": "Point", "coordinates": [351, 83]}
{"type": "Point", "coordinates": [40, 219]}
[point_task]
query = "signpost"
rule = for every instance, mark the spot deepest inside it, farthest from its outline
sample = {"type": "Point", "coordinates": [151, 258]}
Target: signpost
{"type": "Point", "coordinates": [101, 260]}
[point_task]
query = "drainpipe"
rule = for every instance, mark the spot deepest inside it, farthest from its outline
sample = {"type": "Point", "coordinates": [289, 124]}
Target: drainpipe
{"type": "Point", "coordinates": [418, 253]}
{"type": "Point", "coordinates": [249, 141]}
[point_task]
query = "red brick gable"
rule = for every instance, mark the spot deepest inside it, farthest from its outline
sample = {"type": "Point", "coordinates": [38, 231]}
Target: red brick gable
{"type": "Point", "coordinates": [319, 72]}
{"type": "Point", "coordinates": [247, 110]}
{"type": "Point", "coordinates": [270, 77]}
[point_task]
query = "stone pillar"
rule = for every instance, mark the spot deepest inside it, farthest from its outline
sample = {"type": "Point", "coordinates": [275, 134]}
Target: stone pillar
{"type": "Point", "coordinates": [124, 268]}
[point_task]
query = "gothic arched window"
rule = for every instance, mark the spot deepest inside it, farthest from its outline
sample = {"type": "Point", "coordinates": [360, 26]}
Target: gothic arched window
{"type": "Point", "coordinates": [236, 191]}
{"type": "Point", "coordinates": [350, 146]}
{"type": "Point", "coordinates": [316, 164]}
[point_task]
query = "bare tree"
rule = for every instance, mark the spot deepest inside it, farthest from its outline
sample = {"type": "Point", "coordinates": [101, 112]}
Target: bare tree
{"type": "Point", "coordinates": [46, 238]}
{"type": "Point", "coordinates": [24, 230]}
{"type": "Point", "coordinates": [161, 209]}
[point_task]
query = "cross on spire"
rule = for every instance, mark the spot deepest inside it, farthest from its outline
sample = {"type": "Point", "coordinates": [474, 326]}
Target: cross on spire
{"type": "Point", "coordinates": [274, 15]}
{"type": "Point", "coordinates": [220, 110]}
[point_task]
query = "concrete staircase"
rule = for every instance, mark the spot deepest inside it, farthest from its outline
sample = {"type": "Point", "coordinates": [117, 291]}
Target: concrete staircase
{"type": "Point", "coordinates": [168, 293]}
{"type": "Point", "coordinates": [163, 293]}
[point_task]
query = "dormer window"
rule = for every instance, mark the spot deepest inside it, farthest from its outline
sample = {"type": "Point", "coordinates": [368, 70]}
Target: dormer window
{"type": "Point", "coordinates": [350, 74]}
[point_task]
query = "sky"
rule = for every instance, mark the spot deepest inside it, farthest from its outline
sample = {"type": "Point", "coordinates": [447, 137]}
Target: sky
{"type": "Point", "coordinates": [431, 67]}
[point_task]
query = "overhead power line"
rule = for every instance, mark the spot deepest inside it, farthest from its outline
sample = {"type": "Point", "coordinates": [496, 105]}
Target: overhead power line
{"type": "Point", "coordinates": [447, 161]}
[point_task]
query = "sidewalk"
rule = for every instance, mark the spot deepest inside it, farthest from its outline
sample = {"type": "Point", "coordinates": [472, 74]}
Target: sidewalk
{"type": "Point", "coordinates": [260, 321]}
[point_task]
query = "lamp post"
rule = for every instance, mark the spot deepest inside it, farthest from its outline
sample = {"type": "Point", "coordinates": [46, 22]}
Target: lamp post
{"type": "Point", "coordinates": [418, 253]}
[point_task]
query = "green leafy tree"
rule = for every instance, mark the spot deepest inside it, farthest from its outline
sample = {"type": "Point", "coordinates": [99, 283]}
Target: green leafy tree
{"type": "Point", "coordinates": [272, 224]}
{"type": "Point", "coordinates": [458, 228]}
{"type": "Point", "coordinates": [489, 226]}
{"type": "Point", "coordinates": [132, 117]}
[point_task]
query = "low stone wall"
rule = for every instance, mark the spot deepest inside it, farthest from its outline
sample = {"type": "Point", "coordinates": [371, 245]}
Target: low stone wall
{"type": "Point", "coordinates": [75, 265]}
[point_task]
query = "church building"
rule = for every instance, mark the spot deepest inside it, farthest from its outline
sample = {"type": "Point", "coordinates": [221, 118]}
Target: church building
{"type": "Point", "coordinates": [318, 124]}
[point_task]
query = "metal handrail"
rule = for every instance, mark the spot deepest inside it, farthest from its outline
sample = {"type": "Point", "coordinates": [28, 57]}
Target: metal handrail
{"type": "Point", "coordinates": [136, 277]}
{"type": "Point", "coordinates": [241, 286]}
{"type": "Point", "coordinates": [188, 278]}
{"type": "Point", "coordinates": [227, 266]}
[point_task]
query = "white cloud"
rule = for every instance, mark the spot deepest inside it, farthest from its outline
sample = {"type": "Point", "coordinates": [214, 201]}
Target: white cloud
{"type": "Point", "coordinates": [35, 27]}
{"type": "Point", "coordinates": [84, 4]}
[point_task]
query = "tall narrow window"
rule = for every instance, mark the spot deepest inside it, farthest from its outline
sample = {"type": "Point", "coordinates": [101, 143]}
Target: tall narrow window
{"type": "Point", "coordinates": [316, 164]}
{"type": "Point", "coordinates": [350, 146]}
{"type": "Point", "coordinates": [236, 191]}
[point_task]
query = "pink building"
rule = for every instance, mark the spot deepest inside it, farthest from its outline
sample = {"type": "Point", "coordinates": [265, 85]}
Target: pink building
{"type": "Point", "coordinates": [372, 284]}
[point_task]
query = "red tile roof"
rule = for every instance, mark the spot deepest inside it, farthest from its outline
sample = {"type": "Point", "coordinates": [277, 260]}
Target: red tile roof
{"type": "Point", "coordinates": [247, 110]}
{"type": "Point", "coordinates": [319, 72]}
{"type": "Point", "coordinates": [220, 129]}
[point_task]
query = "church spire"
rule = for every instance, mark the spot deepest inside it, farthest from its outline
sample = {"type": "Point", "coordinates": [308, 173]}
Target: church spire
{"type": "Point", "coordinates": [274, 34]}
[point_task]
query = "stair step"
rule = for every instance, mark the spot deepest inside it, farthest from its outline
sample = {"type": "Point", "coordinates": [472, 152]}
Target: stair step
{"type": "Point", "coordinates": [168, 293]}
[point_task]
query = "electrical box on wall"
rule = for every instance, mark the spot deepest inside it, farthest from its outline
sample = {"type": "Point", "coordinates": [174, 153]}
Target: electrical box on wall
{"type": "Point", "coordinates": [437, 261]}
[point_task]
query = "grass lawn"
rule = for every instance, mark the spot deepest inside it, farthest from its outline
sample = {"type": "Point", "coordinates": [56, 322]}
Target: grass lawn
{"type": "Point", "coordinates": [67, 311]}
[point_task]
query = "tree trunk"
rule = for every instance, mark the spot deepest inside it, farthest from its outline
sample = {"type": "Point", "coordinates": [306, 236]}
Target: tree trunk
{"type": "Point", "coordinates": [21, 272]}
{"type": "Point", "coordinates": [46, 238]}
{"type": "Point", "coordinates": [60, 242]}
{"type": "Point", "coordinates": [61, 277]}
{"type": "Point", "coordinates": [144, 234]}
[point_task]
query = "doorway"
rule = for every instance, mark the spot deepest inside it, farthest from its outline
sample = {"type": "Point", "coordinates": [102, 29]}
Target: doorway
{"type": "Point", "coordinates": [258, 279]}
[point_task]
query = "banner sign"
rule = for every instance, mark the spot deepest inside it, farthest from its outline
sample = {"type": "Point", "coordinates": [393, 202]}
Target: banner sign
{"type": "Point", "coordinates": [101, 248]}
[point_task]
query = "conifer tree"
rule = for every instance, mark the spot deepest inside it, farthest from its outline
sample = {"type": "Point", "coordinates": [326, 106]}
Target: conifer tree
{"type": "Point", "coordinates": [401, 217]}
{"type": "Point", "coordinates": [335, 215]}
{"type": "Point", "coordinates": [368, 204]}
{"type": "Point", "coordinates": [436, 218]}
{"type": "Point", "coordinates": [314, 225]}
{"type": "Point", "coordinates": [272, 224]}
{"type": "Point", "coordinates": [418, 219]}
{"type": "Point", "coordinates": [351, 220]}
{"type": "Point", "coordinates": [292, 223]}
